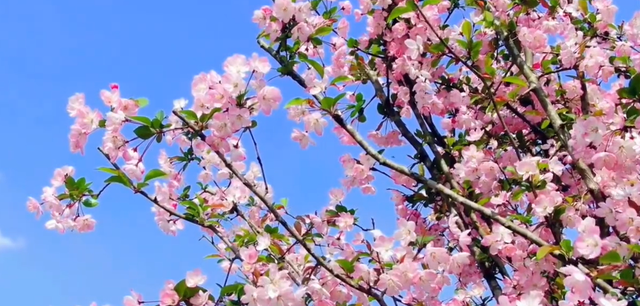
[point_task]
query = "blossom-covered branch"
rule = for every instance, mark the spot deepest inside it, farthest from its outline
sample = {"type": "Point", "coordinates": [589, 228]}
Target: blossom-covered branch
{"type": "Point", "coordinates": [512, 162]}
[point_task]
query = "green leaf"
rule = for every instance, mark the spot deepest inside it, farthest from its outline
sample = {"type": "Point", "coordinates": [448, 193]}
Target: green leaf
{"type": "Point", "coordinates": [156, 124]}
{"type": "Point", "coordinates": [296, 102]}
{"type": "Point", "coordinates": [546, 66]}
{"type": "Point", "coordinates": [90, 203]}
{"type": "Point", "coordinates": [634, 248]}
{"type": "Point", "coordinates": [463, 44]}
{"type": "Point", "coordinates": [154, 174]}
{"type": "Point", "coordinates": [204, 118]}
{"type": "Point", "coordinates": [323, 31]}
{"type": "Point", "coordinates": [632, 113]}
{"type": "Point", "coordinates": [346, 265]}
{"type": "Point", "coordinates": [340, 79]}
{"type": "Point", "coordinates": [467, 29]}
{"type": "Point", "coordinates": [421, 170]}
{"type": "Point", "coordinates": [543, 251]}
{"type": "Point", "coordinates": [271, 229]}
{"type": "Point", "coordinates": [607, 276]}
{"type": "Point", "coordinates": [476, 47]}
{"type": "Point", "coordinates": [237, 289]}
{"type": "Point", "coordinates": [430, 2]}
{"type": "Point", "coordinates": [488, 17]}
{"type": "Point", "coordinates": [545, 124]}
{"type": "Point", "coordinates": [189, 115]}
{"type": "Point", "coordinates": [517, 194]}
{"type": "Point", "coordinates": [484, 201]}
{"type": "Point", "coordinates": [118, 179]}
{"type": "Point", "coordinates": [315, 66]}
{"type": "Point", "coordinates": [284, 202]}
{"type": "Point", "coordinates": [142, 102]}
{"type": "Point", "coordinates": [144, 132]}
{"type": "Point", "coordinates": [184, 292]}
{"type": "Point", "coordinates": [102, 123]}
{"type": "Point", "coordinates": [376, 50]}
{"type": "Point", "coordinates": [141, 119]}
{"type": "Point", "coordinates": [401, 10]}
{"type": "Point", "coordinates": [331, 213]}
{"type": "Point", "coordinates": [160, 115]}
{"type": "Point", "coordinates": [254, 124]}
{"type": "Point", "coordinates": [515, 80]}
{"type": "Point", "coordinates": [109, 170]}
{"type": "Point", "coordinates": [424, 240]}
{"type": "Point", "coordinates": [212, 256]}
{"type": "Point", "coordinates": [628, 275]}
{"type": "Point", "coordinates": [625, 93]}
{"type": "Point", "coordinates": [316, 41]}
{"type": "Point", "coordinates": [70, 183]}
{"type": "Point", "coordinates": [612, 257]}
{"type": "Point", "coordinates": [328, 103]}
{"type": "Point", "coordinates": [81, 182]}
{"type": "Point", "coordinates": [584, 6]}
{"type": "Point", "coordinates": [634, 85]}
{"type": "Point", "coordinates": [566, 246]}
{"type": "Point", "coordinates": [437, 48]}
{"type": "Point", "coordinates": [190, 204]}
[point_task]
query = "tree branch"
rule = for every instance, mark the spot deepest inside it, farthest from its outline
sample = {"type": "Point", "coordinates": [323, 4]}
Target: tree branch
{"type": "Point", "coordinates": [279, 217]}
{"type": "Point", "coordinates": [433, 185]}
{"type": "Point", "coordinates": [584, 170]}
{"type": "Point", "coordinates": [234, 249]}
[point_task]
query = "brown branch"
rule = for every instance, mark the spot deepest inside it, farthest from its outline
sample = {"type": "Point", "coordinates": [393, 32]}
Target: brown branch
{"type": "Point", "coordinates": [522, 231]}
{"type": "Point", "coordinates": [433, 185]}
{"type": "Point", "coordinates": [397, 121]}
{"type": "Point", "coordinates": [554, 118]}
{"type": "Point", "coordinates": [584, 98]}
{"type": "Point", "coordinates": [234, 249]}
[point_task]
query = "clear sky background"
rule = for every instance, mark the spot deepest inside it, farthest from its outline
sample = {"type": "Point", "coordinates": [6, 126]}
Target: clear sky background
{"type": "Point", "coordinates": [50, 50]}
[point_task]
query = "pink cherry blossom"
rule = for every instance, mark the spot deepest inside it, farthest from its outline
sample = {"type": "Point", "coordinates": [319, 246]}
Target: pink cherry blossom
{"type": "Point", "coordinates": [506, 141]}
{"type": "Point", "coordinates": [195, 278]}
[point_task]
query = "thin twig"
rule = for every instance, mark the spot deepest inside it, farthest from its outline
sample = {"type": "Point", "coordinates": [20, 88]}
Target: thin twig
{"type": "Point", "coordinates": [173, 213]}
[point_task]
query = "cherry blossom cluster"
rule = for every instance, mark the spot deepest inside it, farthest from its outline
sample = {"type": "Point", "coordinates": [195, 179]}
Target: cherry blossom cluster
{"type": "Point", "coordinates": [508, 129]}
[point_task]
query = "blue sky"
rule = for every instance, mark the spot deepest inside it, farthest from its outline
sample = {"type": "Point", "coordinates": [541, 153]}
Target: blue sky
{"type": "Point", "coordinates": [50, 50]}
